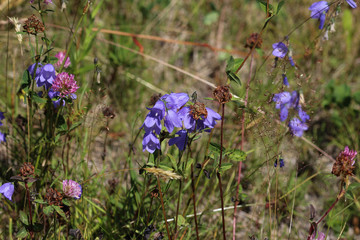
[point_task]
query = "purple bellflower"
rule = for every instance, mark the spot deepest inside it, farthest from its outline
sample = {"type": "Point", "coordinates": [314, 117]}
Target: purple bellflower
{"type": "Point", "coordinates": [280, 50]}
{"type": "Point", "coordinates": [150, 142]}
{"type": "Point", "coordinates": [292, 63]}
{"type": "Point", "coordinates": [7, 190]}
{"type": "Point", "coordinates": [284, 101]}
{"type": "Point", "coordinates": [46, 76]}
{"type": "Point", "coordinates": [297, 127]}
{"type": "Point", "coordinates": [351, 3]}
{"type": "Point", "coordinates": [31, 70]}
{"type": "Point", "coordinates": [2, 117]}
{"type": "Point", "coordinates": [195, 120]}
{"type": "Point", "coordinates": [153, 119]}
{"type": "Point", "coordinates": [179, 141]}
{"type": "Point", "coordinates": [72, 189]}
{"type": "Point", "coordinates": [318, 11]}
{"type": "Point", "coordinates": [281, 161]}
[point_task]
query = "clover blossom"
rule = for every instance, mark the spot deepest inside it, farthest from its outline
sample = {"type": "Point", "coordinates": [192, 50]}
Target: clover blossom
{"type": "Point", "coordinates": [318, 11]}
{"type": "Point", "coordinates": [280, 49]}
{"type": "Point", "coordinates": [7, 189]}
{"type": "Point", "coordinates": [61, 57]}
{"type": "Point", "coordinates": [72, 189]}
{"type": "Point", "coordinates": [351, 3]}
{"type": "Point", "coordinates": [65, 85]}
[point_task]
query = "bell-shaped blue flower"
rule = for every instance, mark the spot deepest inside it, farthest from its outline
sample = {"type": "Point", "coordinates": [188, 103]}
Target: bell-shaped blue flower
{"type": "Point", "coordinates": [297, 127]}
{"type": "Point", "coordinates": [7, 190]}
{"type": "Point", "coordinates": [46, 76]}
{"type": "Point", "coordinates": [318, 11]}
{"type": "Point", "coordinates": [280, 49]}
{"type": "Point", "coordinates": [179, 141]}
{"type": "Point", "coordinates": [150, 142]}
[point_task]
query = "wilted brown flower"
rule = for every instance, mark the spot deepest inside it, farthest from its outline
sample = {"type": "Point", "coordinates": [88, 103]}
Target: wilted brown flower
{"type": "Point", "coordinates": [53, 197]}
{"type": "Point", "coordinates": [222, 94]}
{"type": "Point", "coordinates": [198, 110]}
{"type": "Point", "coordinates": [27, 170]}
{"type": "Point", "coordinates": [254, 38]}
{"type": "Point", "coordinates": [33, 25]}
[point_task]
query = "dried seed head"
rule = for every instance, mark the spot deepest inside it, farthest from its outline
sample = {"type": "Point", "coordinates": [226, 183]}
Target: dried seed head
{"type": "Point", "coordinates": [164, 174]}
{"type": "Point", "coordinates": [154, 98]}
{"type": "Point", "coordinates": [254, 38]}
{"type": "Point", "coordinates": [222, 94]}
{"type": "Point", "coordinates": [33, 25]}
{"type": "Point", "coordinates": [198, 110]}
{"type": "Point", "coordinates": [53, 197]}
{"type": "Point", "coordinates": [27, 170]}
{"type": "Point", "coordinates": [108, 112]}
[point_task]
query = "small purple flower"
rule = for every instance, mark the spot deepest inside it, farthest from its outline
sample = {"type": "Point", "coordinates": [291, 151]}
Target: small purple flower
{"type": "Point", "coordinates": [192, 124]}
{"type": "Point", "coordinates": [297, 127]}
{"type": "Point", "coordinates": [65, 85]}
{"type": "Point", "coordinates": [281, 161]}
{"type": "Point", "coordinates": [72, 189]}
{"type": "Point", "coordinates": [350, 154]}
{"type": "Point", "coordinates": [318, 11]}
{"type": "Point", "coordinates": [172, 119]}
{"type": "Point", "coordinates": [351, 3]}
{"type": "Point", "coordinates": [31, 70]}
{"type": "Point", "coordinates": [179, 141]}
{"type": "Point", "coordinates": [292, 63]}
{"type": "Point", "coordinates": [285, 101]}
{"type": "Point", "coordinates": [61, 57]}
{"type": "Point", "coordinates": [2, 137]}
{"type": "Point", "coordinates": [150, 142]}
{"type": "Point", "coordinates": [2, 117]}
{"type": "Point", "coordinates": [285, 80]}
{"type": "Point", "coordinates": [303, 115]}
{"type": "Point", "coordinates": [7, 190]}
{"type": "Point", "coordinates": [46, 76]}
{"type": "Point", "coordinates": [175, 100]}
{"type": "Point", "coordinates": [280, 50]}
{"type": "Point", "coordinates": [153, 119]}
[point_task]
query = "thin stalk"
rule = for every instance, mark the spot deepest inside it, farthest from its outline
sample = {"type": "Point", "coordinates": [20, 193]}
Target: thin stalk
{"type": "Point", "coordinates": [218, 173]}
{"type": "Point", "coordinates": [163, 208]}
{"type": "Point", "coordinates": [313, 224]}
{"type": "Point", "coordinates": [177, 208]}
{"type": "Point", "coordinates": [242, 144]}
{"type": "Point", "coordinates": [194, 201]}
{"type": "Point", "coordinates": [30, 212]}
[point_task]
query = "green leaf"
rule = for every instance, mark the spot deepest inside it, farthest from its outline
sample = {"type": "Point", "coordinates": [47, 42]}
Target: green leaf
{"type": "Point", "coordinates": [353, 186]}
{"type": "Point", "coordinates": [211, 18]}
{"type": "Point", "coordinates": [22, 233]}
{"type": "Point", "coordinates": [356, 97]}
{"type": "Point", "coordinates": [233, 77]}
{"type": "Point", "coordinates": [38, 99]}
{"type": "Point", "coordinates": [40, 201]}
{"type": "Point", "coordinates": [66, 202]}
{"type": "Point", "coordinates": [215, 147]}
{"type": "Point", "coordinates": [75, 125]}
{"type": "Point", "coordinates": [48, 210]}
{"type": "Point", "coordinates": [224, 167]}
{"type": "Point", "coordinates": [59, 211]}
{"type": "Point", "coordinates": [24, 218]}
{"type": "Point", "coordinates": [173, 161]}
{"type": "Point", "coordinates": [279, 6]}
{"type": "Point", "coordinates": [231, 68]}
{"type": "Point", "coordinates": [236, 155]}
{"type": "Point", "coordinates": [342, 95]}
{"type": "Point", "coordinates": [181, 220]}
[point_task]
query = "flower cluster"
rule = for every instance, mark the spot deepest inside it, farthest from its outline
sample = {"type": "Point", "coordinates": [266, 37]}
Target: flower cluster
{"type": "Point", "coordinates": [173, 110]}
{"type": "Point", "coordinates": [72, 189]}
{"type": "Point", "coordinates": [286, 101]}
{"type": "Point", "coordinates": [59, 86]}
{"type": "Point", "coordinates": [2, 135]}
{"type": "Point", "coordinates": [319, 10]}
{"type": "Point", "coordinates": [344, 164]}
